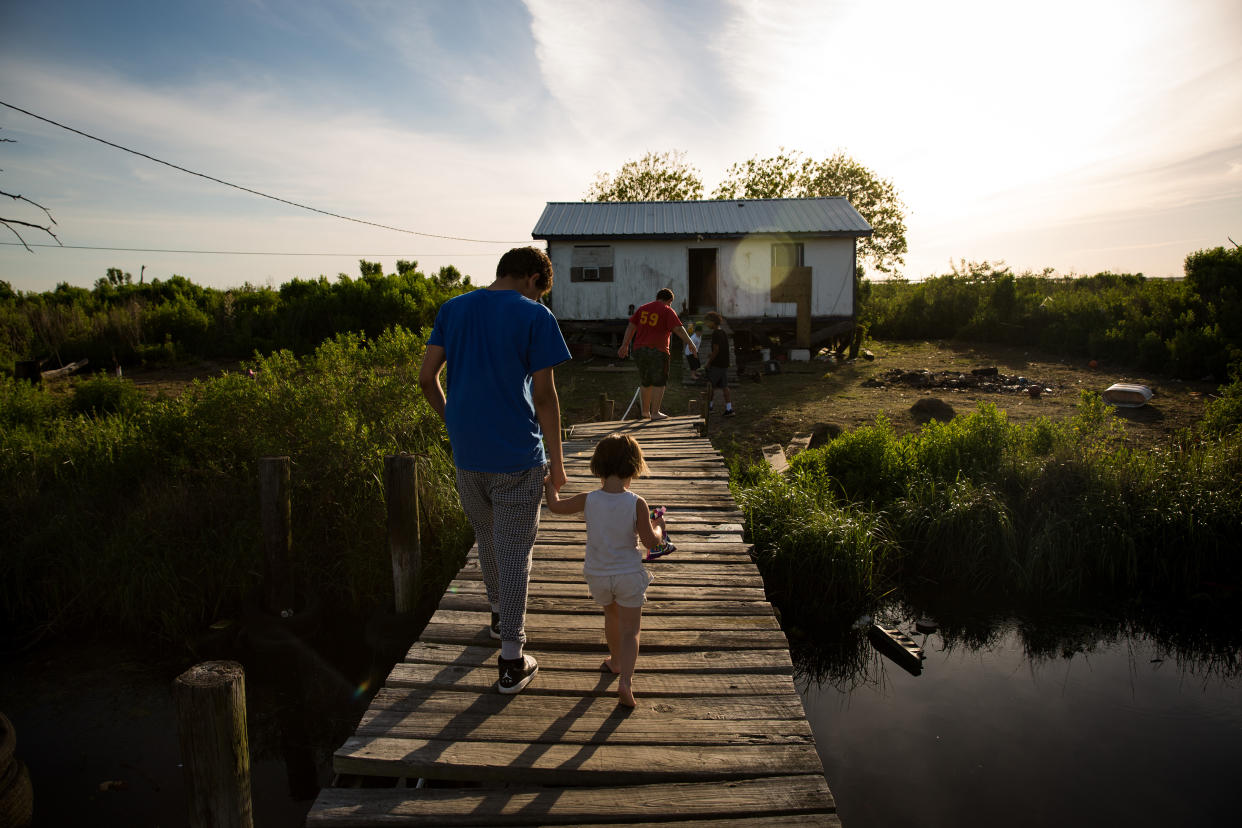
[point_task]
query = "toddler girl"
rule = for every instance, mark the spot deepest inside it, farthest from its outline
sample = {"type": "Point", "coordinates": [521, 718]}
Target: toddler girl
{"type": "Point", "coordinates": [617, 521]}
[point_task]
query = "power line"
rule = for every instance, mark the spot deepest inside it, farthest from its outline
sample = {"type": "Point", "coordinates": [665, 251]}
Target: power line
{"type": "Point", "coordinates": [242, 252]}
{"type": "Point", "coordinates": [247, 189]}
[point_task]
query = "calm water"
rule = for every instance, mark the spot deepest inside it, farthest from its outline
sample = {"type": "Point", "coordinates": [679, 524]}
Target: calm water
{"type": "Point", "coordinates": [1093, 730]}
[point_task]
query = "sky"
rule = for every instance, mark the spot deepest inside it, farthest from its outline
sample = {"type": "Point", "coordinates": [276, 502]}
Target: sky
{"type": "Point", "coordinates": [1081, 135]}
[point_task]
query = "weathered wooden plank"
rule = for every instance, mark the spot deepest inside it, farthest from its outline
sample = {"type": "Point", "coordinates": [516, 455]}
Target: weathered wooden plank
{"type": "Point", "coordinates": [798, 444]}
{"type": "Point", "coordinates": [593, 640]}
{"type": "Point", "coordinates": [686, 527]}
{"type": "Point", "coordinates": [656, 624]}
{"type": "Point", "coordinates": [630, 729]}
{"type": "Point", "coordinates": [580, 478]}
{"type": "Point", "coordinates": [775, 455]}
{"type": "Point", "coordinates": [664, 569]}
{"type": "Point", "coordinates": [803, 797]}
{"type": "Point", "coordinates": [586, 606]}
{"type": "Point", "coordinates": [658, 591]}
{"type": "Point", "coordinates": [687, 552]}
{"type": "Point", "coordinates": [588, 708]}
{"type": "Point", "coordinates": [557, 764]}
{"type": "Point", "coordinates": [482, 679]}
{"type": "Point", "coordinates": [739, 661]}
{"type": "Point", "coordinates": [667, 574]}
{"type": "Point", "coordinates": [708, 539]}
{"type": "Point", "coordinates": [794, 821]}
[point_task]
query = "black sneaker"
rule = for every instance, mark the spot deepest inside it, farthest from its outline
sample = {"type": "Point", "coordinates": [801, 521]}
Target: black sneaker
{"type": "Point", "coordinates": [494, 629]}
{"type": "Point", "coordinates": [728, 412]}
{"type": "Point", "coordinates": [515, 673]}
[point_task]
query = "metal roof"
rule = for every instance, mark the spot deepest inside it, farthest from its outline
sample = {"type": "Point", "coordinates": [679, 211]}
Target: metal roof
{"type": "Point", "coordinates": [689, 219]}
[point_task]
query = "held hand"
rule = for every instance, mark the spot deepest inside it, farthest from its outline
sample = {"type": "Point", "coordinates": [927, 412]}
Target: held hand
{"type": "Point", "coordinates": [556, 477]}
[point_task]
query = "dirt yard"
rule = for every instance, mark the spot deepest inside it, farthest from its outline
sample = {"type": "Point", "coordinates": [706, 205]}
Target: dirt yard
{"type": "Point", "coordinates": [805, 396]}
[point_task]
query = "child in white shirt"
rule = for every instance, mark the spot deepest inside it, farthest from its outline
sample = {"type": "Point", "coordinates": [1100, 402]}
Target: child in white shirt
{"type": "Point", "coordinates": [692, 358]}
{"type": "Point", "coordinates": [619, 529]}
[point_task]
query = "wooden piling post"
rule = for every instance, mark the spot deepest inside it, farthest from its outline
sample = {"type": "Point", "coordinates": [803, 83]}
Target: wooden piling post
{"type": "Point", "coordinates": [607, 407]}
{"type": "Point", "coordinates": [277, 524]}
{"type": "Point", "coordinates": [215, 748]}
{"type": "Point", "coordinates": [401, 495]}
{"type": "Point", "coordinates": [692, 406]}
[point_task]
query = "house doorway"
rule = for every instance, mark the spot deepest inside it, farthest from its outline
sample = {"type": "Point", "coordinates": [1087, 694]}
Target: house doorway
{"type": "Point", "coordinates": [702, 292]}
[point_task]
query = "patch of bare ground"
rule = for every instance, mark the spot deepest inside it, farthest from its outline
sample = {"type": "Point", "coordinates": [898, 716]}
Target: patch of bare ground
{"type": "Point", "coordinates": [171, 380]}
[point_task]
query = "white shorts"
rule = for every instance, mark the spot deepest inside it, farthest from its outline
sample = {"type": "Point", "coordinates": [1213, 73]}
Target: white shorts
{"type": "Point", "coordinates": [628, 590]}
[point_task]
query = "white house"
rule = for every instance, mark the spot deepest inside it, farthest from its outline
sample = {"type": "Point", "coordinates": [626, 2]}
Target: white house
{"type": "Point", "coordinates": [753, 260]}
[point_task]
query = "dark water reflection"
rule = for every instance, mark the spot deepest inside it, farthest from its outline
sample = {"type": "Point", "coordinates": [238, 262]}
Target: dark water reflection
{"type": "Point", "coordinates": [1056, 721]}
{"type": "Point", "coordinates": [96, 723]}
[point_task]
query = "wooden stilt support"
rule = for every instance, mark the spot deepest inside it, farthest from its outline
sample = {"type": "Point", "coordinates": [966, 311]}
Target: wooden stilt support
{"type": "Point", "coordinates": [215, 747]}
{"type": "Point", "coordinates": [401, 494]}
{"type": "Point", "coordinates": [277, 525]}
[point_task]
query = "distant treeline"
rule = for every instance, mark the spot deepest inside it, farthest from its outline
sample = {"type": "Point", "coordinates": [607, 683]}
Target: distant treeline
{"type": "Point", "coordinates": [1190, 327]}
{"type": "Point", "coordinates": [123, 322]}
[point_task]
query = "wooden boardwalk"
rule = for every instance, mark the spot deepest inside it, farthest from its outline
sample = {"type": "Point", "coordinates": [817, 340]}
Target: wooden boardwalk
{"type": "Point", "coordinates": [719, 737]}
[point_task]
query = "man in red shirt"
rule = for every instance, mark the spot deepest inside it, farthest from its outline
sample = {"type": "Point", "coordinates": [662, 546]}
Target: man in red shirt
{"type": "Point", "coordinates": [648, 332]}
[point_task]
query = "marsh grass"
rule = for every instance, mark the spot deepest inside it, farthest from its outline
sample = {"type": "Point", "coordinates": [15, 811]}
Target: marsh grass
{"type": "Point", "coordinates": [983, 508]}
{"type": "Point", "coordinates": [141, 517]}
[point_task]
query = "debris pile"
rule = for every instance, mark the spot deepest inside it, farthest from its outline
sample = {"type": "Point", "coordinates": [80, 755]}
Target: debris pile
{"type": "Point", "coordinates": [980, 379]}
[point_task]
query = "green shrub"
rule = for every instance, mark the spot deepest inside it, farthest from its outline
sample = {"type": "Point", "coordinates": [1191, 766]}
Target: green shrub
{"type": "Point", "coordinates": [864, 465]}
{"type": "Point", "coordinates": [163, 534]}
{"type": "Point", "coordinates": [1223, 416]}
{"type": "Point", "coordinates": [1033, 512]}
{"type": "Point", "coordinates": [103, 394]}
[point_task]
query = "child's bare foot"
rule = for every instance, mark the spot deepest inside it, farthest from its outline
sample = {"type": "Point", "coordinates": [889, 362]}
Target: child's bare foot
{"type": "Point", "coordinates": [625, 693]}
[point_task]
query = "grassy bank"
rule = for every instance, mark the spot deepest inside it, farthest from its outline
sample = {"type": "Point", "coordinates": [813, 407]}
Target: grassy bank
{"type": "Point", "coordinates": [983, 508]}
{"type": "Point", "coordinates": [136, 516]}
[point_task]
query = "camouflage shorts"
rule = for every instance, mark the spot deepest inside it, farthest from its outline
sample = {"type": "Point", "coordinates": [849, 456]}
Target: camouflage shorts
{"type": "Point", "coordinates": [652, 367]}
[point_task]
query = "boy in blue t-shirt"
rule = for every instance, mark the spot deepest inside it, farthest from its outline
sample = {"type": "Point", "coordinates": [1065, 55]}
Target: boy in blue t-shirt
{"type": "Point", "coordinates": [500, 345]}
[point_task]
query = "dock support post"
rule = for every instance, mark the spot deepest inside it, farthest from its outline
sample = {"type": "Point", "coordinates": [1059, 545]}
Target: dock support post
{"type": "Point", "coordinates": [692, 406]}
{"type": "Point", "coordinates": [215, 748]}
{"type": "Point", "coordinates": [277, 527]}
{"type": "Point", "coordinates": [607, 408]}
{"type": "Point", "coordinates": [401, 495]}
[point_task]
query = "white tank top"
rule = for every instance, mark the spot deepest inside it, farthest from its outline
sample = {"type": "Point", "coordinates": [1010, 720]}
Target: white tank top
{"type": "Point", "coordinates": [612, 539]}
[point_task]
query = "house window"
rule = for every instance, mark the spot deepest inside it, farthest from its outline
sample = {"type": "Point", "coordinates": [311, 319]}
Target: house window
{"type": "Point", "coordinates": [787, 254]}
{"type": "Point", "coordinates": [591, 263]}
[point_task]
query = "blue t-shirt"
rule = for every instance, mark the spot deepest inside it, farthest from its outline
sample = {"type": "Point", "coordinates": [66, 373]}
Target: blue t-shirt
{"type": "Point", "coordinates": [494, 341]}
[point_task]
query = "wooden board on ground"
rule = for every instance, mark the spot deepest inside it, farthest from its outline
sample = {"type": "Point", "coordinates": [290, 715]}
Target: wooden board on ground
{"type": "Point", "coordinates": [803, 799]}
{"type": "Point", "coordinates": [775, 455]}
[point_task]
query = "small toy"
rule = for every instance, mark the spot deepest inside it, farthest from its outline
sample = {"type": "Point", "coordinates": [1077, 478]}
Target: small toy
{"type": "Point", "coordinates": [663, 549]}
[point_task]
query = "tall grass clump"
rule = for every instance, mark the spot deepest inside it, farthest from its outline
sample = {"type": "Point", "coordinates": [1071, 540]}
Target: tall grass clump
{"type": "Point", "coordinates": [983, 507]}
{"type": "Point", "coordinates": [813, 550]}
{"type": "Point", "coordinates": [144, 519]}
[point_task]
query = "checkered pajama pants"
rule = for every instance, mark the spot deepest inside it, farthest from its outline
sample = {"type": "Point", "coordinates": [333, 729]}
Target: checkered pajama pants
{"type": "Point", "coordinates": [503, 509]}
